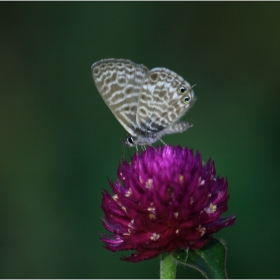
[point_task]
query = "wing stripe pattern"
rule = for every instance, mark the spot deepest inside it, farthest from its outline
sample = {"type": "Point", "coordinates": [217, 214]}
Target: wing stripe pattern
{"type": "Point", "coordinates": [119, 82]}
{"type": "Point", "coordinates": [160, 104]}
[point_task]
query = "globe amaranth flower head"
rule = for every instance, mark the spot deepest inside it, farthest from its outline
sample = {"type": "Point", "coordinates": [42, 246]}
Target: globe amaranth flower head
{"type": "Point", "coordinates": [166, 200]}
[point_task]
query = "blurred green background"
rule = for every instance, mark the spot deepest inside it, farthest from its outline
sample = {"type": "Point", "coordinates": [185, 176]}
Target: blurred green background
{"type": "Point", "coordinates": [59, 142]}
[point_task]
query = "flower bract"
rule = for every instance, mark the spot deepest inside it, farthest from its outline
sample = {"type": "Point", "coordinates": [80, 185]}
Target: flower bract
{"type": "Point", "coordinates": [165, 200]}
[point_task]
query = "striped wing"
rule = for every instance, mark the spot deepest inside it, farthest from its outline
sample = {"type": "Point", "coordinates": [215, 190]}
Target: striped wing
{"type": "Point", "coordinates": [120, 82]}
{"type": "Point", "coordinates": [162, 103]}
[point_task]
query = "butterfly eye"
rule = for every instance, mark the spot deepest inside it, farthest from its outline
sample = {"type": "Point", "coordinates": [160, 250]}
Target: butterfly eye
{"type": "Point", "coordinates": [129, 141]}
{"type": "Point", "coordinates": [182, 90]}
{"type": "Point", "coordinates": [186, 99]}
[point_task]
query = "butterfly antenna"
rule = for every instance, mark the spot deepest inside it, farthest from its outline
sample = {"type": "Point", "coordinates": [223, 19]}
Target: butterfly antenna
{"type": "Point", "coordinates": [123, 152]}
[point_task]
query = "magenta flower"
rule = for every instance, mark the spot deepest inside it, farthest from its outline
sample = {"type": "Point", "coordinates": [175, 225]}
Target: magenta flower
{"type": "Point", "coordinates": [168, 200]}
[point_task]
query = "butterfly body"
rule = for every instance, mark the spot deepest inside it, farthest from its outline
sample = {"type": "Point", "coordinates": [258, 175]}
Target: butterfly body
{"type": "Point", "coordinates": [147, 103]}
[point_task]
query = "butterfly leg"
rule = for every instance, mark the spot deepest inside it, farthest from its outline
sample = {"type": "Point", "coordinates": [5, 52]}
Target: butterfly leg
{"type": "Point", "coordinates": [162, 142]}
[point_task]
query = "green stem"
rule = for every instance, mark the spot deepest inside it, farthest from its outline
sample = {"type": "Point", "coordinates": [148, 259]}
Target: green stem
{"type": "Point", "coordinates": [167, 266]}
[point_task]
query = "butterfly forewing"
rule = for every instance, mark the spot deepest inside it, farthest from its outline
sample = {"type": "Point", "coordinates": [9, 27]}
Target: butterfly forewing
{"type": "Point", "coordinates": [160, 103]}
{"type": "Point", "coordinates": [120, 82]}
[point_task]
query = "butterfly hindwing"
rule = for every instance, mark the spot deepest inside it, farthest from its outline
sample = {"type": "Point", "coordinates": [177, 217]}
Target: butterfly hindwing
{"type": "Point", "coordinates": [161, 103]}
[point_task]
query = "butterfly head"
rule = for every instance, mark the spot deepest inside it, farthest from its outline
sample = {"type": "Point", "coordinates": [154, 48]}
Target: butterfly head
{"type": "Point", "coordinates": [129, 140]}
{"type": "Point", "coordinates": [146, 139]}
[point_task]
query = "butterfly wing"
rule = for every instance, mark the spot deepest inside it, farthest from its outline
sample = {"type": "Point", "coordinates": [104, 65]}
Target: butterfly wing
{"type": "Point", "coordinates": [162, 103]}
{"type": "Point", "coordinates": [119, 82]}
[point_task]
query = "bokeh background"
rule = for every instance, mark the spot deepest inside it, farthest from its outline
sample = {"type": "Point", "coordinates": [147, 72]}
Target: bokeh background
{"type": "Point", "coordinates": [59, 142]}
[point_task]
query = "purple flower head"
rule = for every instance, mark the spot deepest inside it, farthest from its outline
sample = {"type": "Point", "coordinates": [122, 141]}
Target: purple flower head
{"type": "Point", "coordinates": [166, 200]}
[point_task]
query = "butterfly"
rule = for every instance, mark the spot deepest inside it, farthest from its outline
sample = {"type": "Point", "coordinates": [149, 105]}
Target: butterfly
{"type": "Point", "coordinates": [147, 103]}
